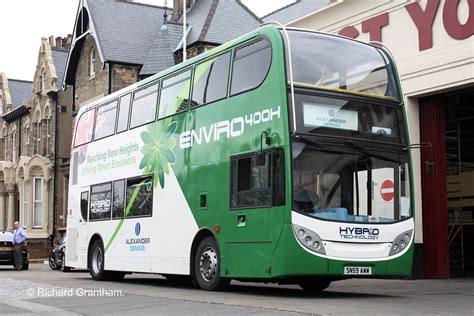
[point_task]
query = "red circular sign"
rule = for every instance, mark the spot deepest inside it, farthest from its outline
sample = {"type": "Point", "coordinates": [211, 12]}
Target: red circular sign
{"type": "Point", "coordinates": [387, 190]}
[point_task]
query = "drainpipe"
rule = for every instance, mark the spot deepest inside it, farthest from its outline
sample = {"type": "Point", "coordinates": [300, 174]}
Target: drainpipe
{"type": "Point", "coordinates": [19, 139]}
{"type": "Point", "coordinates": [55, 166]}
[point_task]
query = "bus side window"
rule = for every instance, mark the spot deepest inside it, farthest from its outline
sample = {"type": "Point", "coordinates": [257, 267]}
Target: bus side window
{"type": "Point", "coordinates": [84, 205]}
{"type": "Point", "coordinates": [119, 197]}
{"type": "Point", "coordinates": [210, 80]}
{"type": "Point", "coordinates": [105, 120]}
{"type": "Point", "coordinates": [251, 65]}
{"type": "Point", "coordinates": [101, 197]}
{"type": "Point", "coordinates": [144, 106]}
{"type": "Point", "coordinates": [84, 128]}
{"type": "Point", "coordinates": [124, 110]}
{"type": "Point", "coordinates": [140, 196]}
{"type": "Point", "coordinates": [175, 94]}
{"type": "Point", "coordinates": [250, 183]}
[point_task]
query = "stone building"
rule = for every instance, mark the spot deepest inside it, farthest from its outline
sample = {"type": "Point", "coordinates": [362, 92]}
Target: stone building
{"type": "Point", "coordinates": [33, 179]}
{"type": "Point", "coordinates": [116, 43]}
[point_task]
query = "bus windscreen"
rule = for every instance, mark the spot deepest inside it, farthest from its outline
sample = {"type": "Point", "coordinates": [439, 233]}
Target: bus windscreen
{"type": "Point", "coordinates": [331, 62]}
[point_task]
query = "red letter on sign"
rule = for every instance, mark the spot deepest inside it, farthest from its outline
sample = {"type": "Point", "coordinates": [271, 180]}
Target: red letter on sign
{"type": "Point", "coordinates": [349, 31]}
{"type": "Point", "coordinates": [451, 22]}
{"type": "Point", "coordinates": [423, 21]}
{"type": "Point", "coordinates": [374, 26]}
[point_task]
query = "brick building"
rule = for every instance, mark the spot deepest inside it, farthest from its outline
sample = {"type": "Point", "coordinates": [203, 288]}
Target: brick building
{"type": "Point", "coordinates": [33, 179]}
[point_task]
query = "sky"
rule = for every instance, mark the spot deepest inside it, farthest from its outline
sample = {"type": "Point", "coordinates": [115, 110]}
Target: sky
{"type": "Point", "coordinates": [24, 22]}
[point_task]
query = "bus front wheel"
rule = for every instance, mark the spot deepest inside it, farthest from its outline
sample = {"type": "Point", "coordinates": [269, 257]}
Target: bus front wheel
{"type": "Point", "coordinates": [207, 266]}
{"type": "Point", "coordinates": [96, 262]}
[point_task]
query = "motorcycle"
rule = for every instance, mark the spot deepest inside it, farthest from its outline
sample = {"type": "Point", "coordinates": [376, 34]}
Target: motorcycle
{"type": "Point", "coordinates": [56, 258]}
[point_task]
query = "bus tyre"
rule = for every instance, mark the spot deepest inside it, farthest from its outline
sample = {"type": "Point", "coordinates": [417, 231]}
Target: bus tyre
{"type": "Point", "coordinates": [96, 262]}
{"type": "Point", "coordinates": [314, 286]}
{"type": "Point", "coordinates": [207, 266]}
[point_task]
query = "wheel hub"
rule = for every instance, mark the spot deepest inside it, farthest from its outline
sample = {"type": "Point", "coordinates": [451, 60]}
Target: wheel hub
{"type": "Point", "coordinates": [97, 260]}
{"type": "Point", "coordinates": [208, 264]}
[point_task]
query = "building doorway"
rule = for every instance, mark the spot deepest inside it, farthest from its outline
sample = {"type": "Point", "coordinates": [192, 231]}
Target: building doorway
{"type": "Point", "coordinates": [459, 139]}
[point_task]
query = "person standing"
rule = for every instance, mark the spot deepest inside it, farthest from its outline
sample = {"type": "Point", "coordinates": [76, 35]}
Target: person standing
{"type": "Point", "coordinates": [19, 239]}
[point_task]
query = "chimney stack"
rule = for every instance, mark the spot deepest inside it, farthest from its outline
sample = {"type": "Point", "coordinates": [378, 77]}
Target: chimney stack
{"type": "Point", "coordinates": [51, 41]}
{"type": "Point", "coordinates": [178, 8]}
{"type": "Point", "coordinates": [59, 41]}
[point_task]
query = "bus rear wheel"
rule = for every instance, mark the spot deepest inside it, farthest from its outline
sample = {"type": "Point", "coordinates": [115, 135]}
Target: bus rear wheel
{"type": "Point", "coordinates": [96, 262]}
{"type": "Point", "coordinates": [207, 266]}
{"type": "Point", "coordinates": [314, 286]}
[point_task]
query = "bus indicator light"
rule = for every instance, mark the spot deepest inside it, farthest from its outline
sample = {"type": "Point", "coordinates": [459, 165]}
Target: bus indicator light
{"type": "Point", "coordinates": [217, 228]}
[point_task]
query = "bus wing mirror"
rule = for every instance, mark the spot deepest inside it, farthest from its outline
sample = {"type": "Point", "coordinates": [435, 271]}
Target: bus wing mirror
{"type": "Point", "coordinates": [260, 159]}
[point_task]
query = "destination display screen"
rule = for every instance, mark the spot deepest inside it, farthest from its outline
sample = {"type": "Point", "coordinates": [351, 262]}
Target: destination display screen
{"type": "Point", "coordinates": [349, 119]}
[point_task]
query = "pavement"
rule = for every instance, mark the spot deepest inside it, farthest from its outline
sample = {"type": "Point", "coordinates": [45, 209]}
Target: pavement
{"type": "Point", "coordinates": [41, 290]}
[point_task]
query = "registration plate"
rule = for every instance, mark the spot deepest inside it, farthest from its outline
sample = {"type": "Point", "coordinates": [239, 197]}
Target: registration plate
{"type": "Point", "coordinates": [358, 270]}
{"type": "Point", "coordinates": [6, 248]}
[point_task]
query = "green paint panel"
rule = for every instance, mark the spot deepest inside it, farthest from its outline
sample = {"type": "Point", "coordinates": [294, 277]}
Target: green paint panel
{"type": "Point", "coordinates": [290, 259]}
{"type": "Point", "coordinates": [205, 167]}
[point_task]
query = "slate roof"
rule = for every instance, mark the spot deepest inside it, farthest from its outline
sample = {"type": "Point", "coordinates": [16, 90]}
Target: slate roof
{"type": "Point", "coordinates": [160, 56]}
{"type": "Point", "coordinates": [218, 21]}
{"type": "Point", "coordinates": [131, 33]}
{"type": "Point", "coordinates": [125, 30]}
{"type": "Point", "coordinates": [20, 91]}
{"type": "Point", "coordinates": [59, 60]}
{"type": "Point", "coordinates": [295, 10]}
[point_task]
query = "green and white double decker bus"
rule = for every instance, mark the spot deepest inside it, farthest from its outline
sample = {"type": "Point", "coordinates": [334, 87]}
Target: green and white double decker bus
{"type": "Point", "coordinates": [281, 156]}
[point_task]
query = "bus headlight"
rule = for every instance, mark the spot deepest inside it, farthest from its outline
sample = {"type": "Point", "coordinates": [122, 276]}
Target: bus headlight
{"type": "Point", "coordinates": [400, 242]}
{"type": "Point", "coordinates": [309, 239]}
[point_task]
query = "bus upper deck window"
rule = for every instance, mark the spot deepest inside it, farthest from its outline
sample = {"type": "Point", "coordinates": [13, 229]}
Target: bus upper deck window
{"type": "Point", "coordinates": [251, 65]}
{"type": "Point", "coordinates": [124, 108]}
{"type": "Point", "coordinates": [105, 120]}
{"type": "Point", "coordinates": [175, 94]}
{"type": "Point", "coordinates": [144, 106]}
{"type": "Point", "coordinates": [210, 80]}
{"type": "Point", "coordinates": [84, 128]}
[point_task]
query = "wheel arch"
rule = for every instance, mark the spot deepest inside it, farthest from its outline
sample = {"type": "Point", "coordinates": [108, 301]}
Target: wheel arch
{"type": "Point", "coordinates": [201, 234]}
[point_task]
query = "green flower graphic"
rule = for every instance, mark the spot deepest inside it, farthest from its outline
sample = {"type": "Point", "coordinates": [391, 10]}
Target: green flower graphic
{"type": "Point", "coordinates": [158, 149]}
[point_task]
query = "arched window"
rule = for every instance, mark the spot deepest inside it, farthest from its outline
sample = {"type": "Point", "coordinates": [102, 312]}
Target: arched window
{"type": "Point", "coordinates": [37, 202]}
{"type": "Point", "coordinates": [14, 152]}
{"type": "Point", "coordinates": [38, 137]}
{"type": "Point", "coordinates": [24, 220]}
{"type": "Point", "coordinates": [28, 135]}
{"type": "Point", "coordinates": [92, 63]}
{"type": "Point", "coordinates": [46, 137]}
{"type": "Point", "coordinates": [4, 142]}
{"type": "Point", "coordinates": [2, 149]}
{"type": "Point", "coordinates": [43, 80]}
